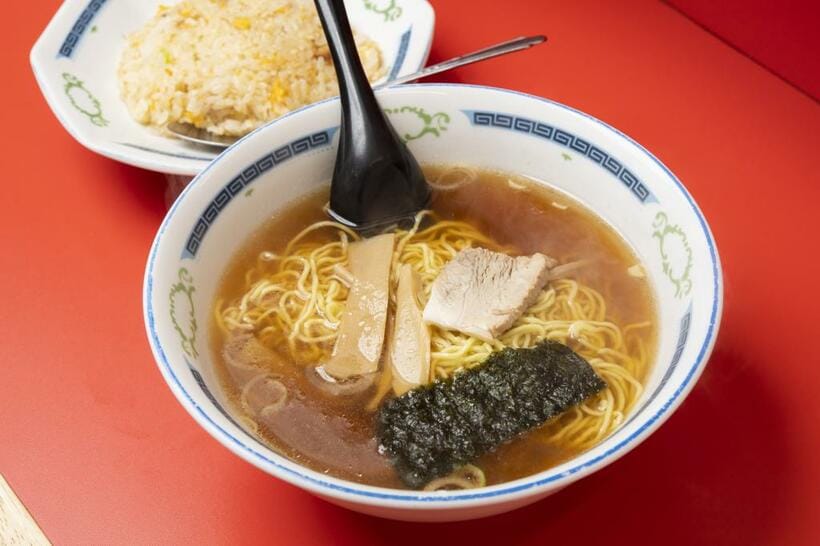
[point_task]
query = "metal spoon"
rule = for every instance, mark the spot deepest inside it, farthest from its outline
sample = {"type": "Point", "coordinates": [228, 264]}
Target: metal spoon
{"type": "Point", "coordinates": [191, 133]}
{"type": "Point", "coordinates": [376, 180]}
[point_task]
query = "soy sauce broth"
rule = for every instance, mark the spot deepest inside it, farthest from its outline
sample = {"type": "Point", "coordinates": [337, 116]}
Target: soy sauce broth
{"type": "Point", "coordinates": [515, 212]}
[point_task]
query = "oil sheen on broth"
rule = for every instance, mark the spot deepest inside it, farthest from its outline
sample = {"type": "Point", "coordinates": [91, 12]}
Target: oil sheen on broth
{"type": "Point", "coordinates": [516, 213]}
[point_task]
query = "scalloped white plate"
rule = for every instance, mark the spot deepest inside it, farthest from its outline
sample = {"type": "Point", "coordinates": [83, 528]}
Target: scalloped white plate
{"type": "Point", "coordinates": [75, 61]}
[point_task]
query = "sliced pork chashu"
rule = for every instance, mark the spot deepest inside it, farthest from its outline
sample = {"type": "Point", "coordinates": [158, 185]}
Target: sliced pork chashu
{"type": "Point", "coordinates": [482, 293]}
{"type": "Point", "coordinates": [361, 332]}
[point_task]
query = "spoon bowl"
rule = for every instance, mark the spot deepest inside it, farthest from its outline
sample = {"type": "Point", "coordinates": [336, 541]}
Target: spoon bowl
{"type": "Point", "coordinates": [376, 179]}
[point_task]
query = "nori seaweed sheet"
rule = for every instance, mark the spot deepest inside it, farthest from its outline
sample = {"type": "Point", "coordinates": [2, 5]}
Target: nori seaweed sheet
{"type": "Point", "coordinates": [432, 430]}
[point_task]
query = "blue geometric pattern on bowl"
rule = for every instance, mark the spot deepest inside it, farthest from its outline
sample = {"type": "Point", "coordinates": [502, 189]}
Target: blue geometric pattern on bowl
{"type": "Point", "coordinates": [202, 385]}
{"type": "Point", "coordinates": [539, 129]}
{"type": "Point", "coordinates": [236, 186]}
{"type": "Point", "coordinates": [683, 335]}
{"type": "Point", "coordinates": [404, 43]}
{"type": "Point", "coordinates": [169, 154]}
{"type": "Point", "coordinates": [80, 26]}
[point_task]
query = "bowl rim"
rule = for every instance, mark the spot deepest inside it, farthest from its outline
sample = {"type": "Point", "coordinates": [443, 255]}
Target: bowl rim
{"type": "Point", "coordinates": [528, 486]}
{"type": "Point", "coordinates": [194, 161]}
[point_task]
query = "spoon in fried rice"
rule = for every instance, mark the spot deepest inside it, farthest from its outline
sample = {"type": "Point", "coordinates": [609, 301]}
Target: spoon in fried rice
{"type": "Point", "coordinates": [196, 135]}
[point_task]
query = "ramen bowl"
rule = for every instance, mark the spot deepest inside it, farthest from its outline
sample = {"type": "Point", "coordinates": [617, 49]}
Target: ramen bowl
{"type": "Point", "coordinates": [624, 184]}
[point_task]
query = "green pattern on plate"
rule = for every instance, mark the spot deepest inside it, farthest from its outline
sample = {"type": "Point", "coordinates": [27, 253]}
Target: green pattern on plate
{"type": "Point", "coordinates": [675, 253]}
{"type": "Point", "coordinates": [431, 124]}
{"type": "Point", "coordinates": [181, 301]}
{"type": "Point", "coordinates": [390, 10]}
{"type": "Point", "coordinates": [82, 99]}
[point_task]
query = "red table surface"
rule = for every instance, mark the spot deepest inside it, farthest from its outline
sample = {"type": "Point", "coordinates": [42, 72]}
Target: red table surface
{"type": "Point", "coordinates": [96, 446]}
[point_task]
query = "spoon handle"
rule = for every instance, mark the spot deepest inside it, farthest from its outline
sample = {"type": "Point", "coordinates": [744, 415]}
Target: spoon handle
{"type": "Point", "coordinates": [351, 75]}
{"type": "Point", "coordinates": [516, 44]}
{"type": "Point", "coordinates": [375, 176]}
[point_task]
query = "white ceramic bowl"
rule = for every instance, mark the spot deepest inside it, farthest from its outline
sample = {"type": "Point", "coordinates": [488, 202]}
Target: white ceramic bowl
{"type": "Point", "coordinates": [480, 126]}
{"type": "Point", "coordinates": [75, 63]}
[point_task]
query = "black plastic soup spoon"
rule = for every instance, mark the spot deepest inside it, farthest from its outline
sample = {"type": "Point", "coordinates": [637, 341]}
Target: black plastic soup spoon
{"type": "Point", "coordinates": [376, 180]}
